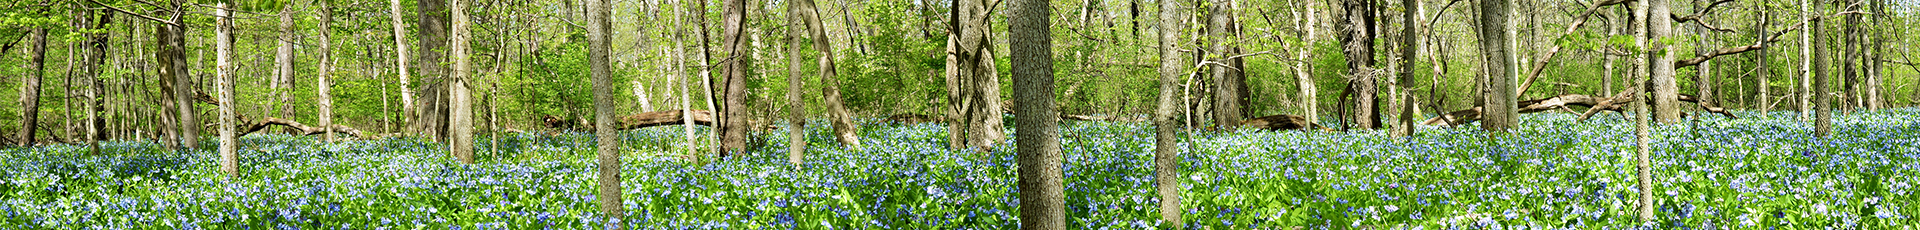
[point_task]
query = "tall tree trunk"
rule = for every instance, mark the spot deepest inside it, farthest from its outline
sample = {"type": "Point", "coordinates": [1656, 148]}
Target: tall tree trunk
{"type": "Point", "coordinates": [1042, 200]}
{"type": "Point", "coordinates": [459, 98]}
{"type": "Point", "coordinates": [1226, 104]}
{"type": "Point", "coordinates": [1409, 47]}
{"type": "Point", "coordinates": [400, 63]}
{"type": "Point", "coordinates": [1356, 25]}
{"type": "Point", "coordinates": [1501, 110]}
{"type": "Point", "coordinates": [1849, 62]}
{"type": "Point", "coordinates": [599, 37]}
{"type": "Point", "coordinates": [1166, 149]}
{"type": "Point", "coordinates": [845, 130]}
{"type": "Point", "coordinates": [1703, 75]}
{"type": "Point", "coordinates": [1764, 69]}
{"type": "Point", "coordinates": [30, 88]}
{"type": "Point", "coordinates": [733, 125]}
{"type": "Point", "coordinates": [1666, 90]}
{"type": "Point", "coordinates": [173, 65]}
{"type": "Point", "coordinates": [223, 84]}
{"type": "Point", "coordinates": [431, 116]}
{"type": "Point", "coordinates": [796, 107]}
{"type": "Point", "coordinates": [325, 86]}
{"type": "Point", "coordinates": [94, 64]}
{"type": "Point", "coordinates": [680, 71]}
{"type": "Point", "coordinates": [1302, 71]}
{"type": "Point", "coordinates": [1642, 81]}
{"type": "Point", "coordinates": [973, 88]}
{"type": "Point", "coordinates": [283, 56]}
{"type": "Point", "coordinates": [1823, 99]}
{"type": "Point", "coordinates": [1803, 93]}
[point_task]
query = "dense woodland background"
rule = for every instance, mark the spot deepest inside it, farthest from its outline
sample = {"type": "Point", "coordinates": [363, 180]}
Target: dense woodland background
{"type": "Point", "coordinates": [529, 57]}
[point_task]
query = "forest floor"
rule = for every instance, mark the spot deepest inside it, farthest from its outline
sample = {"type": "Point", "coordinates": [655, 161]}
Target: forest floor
{"type": "Point", "coordinates": [1749, 173]}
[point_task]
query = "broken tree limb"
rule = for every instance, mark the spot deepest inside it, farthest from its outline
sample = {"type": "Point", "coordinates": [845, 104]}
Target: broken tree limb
{"type": "Point", "coordinates": [664, 118]}
{"type": "Point", "coordinates": [1552, 103]}
{"type": "Point", "coordinates": [1541, 63]}
{"type": "Point", "coordinates": [1280, 122]}
{"type": "Point", "coordinates": [1610, 103]}
{"type": "Point", "coordinates": [250, 126]}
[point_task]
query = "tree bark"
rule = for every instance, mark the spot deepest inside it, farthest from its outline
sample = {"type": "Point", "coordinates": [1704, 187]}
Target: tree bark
{"type": "Point", "coordinates": [459, 98]}
{"type": "Point", "coordinates": [1804, 92]}
{"type": "Point", "coordinates": [1227, 81]}
{"type": "Point", "coordinates": [1849, 59]}
{"type": "Point", "coordinates": [1500, 92]}
{"type": "Point", "coordinates": [973, 88]}
{"type": "Point", "coordinates": [325, 86]}
{"type": "Point", "coordinates": [1666, 90]}
{"type": "Point", "coordinates": [400, 63]}
{"type": "Point", "coordinates": [796, 106]}
{"type": "Point", "coordinates": [1703, 75]}
{"type": "Point", "coordinates": [431, 106]}
{"type": "Point", "coordinates": [1042, 200]}
{"type": "Point", "coordinates": [733, 116]}
{"type": "Point", "coordinates": [599, 37]}
{"type": "Point", "coordinates": [1823, 100]}
{"type": "Point", "coordinates": [1409, 47]}
{"type": "Point", "coordinates": [30, 87]}
{"type": "Point", "coordinates": [845, 130]}
{"type": "Point", "coordinates": [173, 65]}
{"type": "Point", "coordinates": [1356, 25]}
{"type": "Point", "coordinates": [1642, 81]}
{"type": "Point", "coordinates": [1166, 149]}
{"type": "Point", "coordinates": [1303, 71]}
{"type": "Point", "coordinates": [223, 74]}
{"type": "Point", "coordinates": [283, 56]}
{"type": "Point", "coordinates": [1763, 74]}
{"type": "Point", "coordinates": [94, 66]}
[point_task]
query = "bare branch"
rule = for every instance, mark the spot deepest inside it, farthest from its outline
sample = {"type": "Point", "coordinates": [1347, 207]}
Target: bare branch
{"type": "Point", "coordinates": [1696, 15]}
{"type": "Point", "coordinates": [149, 18]}
{"type": "Point", "coordinates": [1756, 46]}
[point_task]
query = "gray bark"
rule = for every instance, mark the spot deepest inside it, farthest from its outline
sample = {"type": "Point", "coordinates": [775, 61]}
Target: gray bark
{"type": "Point", "coordinates": [283, 55]}
{"type": "Point", "coordinates": [1356, 25]}
{"type": "Point", "coordinates": [1823, 99]}
{"type": "Point", "coordinates": [30, 87]}
{"type": "Point", "coordinates": [1803, 93]}
{"type": "Point", "coordinates": [1500, 98]}
{"type": "Point", "coordinates": [1666, 90]}
{"type": "Point", "coordinates": [400, 63]}
{"type": "Point", "coordinates": [733, 121]}
{"type": "Point", "coordinates": [1042, 200]}
{"type": "Point", "coordinates": [796, 107]}
{"type": "Point", "coordinates": [607, 150]}
{"type": "Point", "coordinates": [1166, 149]}
{"type": "Point", "coordinates": [973, 91]}
{"type": "Point", "coordinates": [459, 97]}
{"type": "Point", "coordinates": [223, 84]}
{"type": "Point", "coordinates": [1227, 103]}
{"type": "Point", "coordinates": [325, 84]}
{"type": "Point", "coordinates": [1302, 71]}
{"type": "Point", "coordinates": [1409, 47]}
{"type": "Point", "coordinates": [1641, 117]}
{"type": "Point", "coordinates": [430, 115]}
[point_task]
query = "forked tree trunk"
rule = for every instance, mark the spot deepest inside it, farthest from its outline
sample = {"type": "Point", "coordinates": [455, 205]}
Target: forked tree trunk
{"type": "Point", "coordinates": [30, 88]}
{"type": "Point", "coordinates": [973, 93]}
{"type": "Point", "coordinates": [1302, 71]}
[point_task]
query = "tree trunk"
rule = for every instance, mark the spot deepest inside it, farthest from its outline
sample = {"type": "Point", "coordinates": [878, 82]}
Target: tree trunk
{"type": "Point", "coordinates": [1641, 80]}
{"type": "Point", "coordinates": [325, 86]}
{"type": "Point", "coordinates": [846, 131]}
{"type": "Point", "coordinates": [1666, 90]}
{"type": "Point", "coordinates": [1356, 25]}
{"type": "Point", "coordinates": [283, 56]}
{"type": "Point", "coordinates": [1409, 47]}
{"type": "Point", "coordinates": [459, 98]}
{"type": "Point", "coordinates": [30, 89]}
{"type": "Point", "coordinates": [1823, 100]}
{"type": "Point", "coordinates": [431, 116]}
{"type": "Point", "coordinates": [173, 65]}
{"type": "Point", "coordinates": [1226, 104]}
{"type": "Point", "coordinates": [1703, 75]}
{"type": "Point", "coordinates": [973, 88]}
{"type": "Point", "coordinates": [94, 65]}
{"type": "Point", "coordinates": [1500, 97]}
{"type": "Point", "coordinates": [599, 37]}
{"type": "Point", "coordinates": [1042, 200]}
{"type": "Point", "coordinates": [223, 84]}
{"type": "Point", "coordinates": [680, 71]}
{"type": "Point", "coordinates": [1303, 71]}
{"type": "Point", "coordinates": [1166, 149]}
{"type": "Point", "coordinates": [1763, 73]}
{"type": "Point", "coordinates": [400, 63]}
{"type": "Point", "coordinates": [1804, 92]}
{"type": "Point", "coordinates": [733, 119]}
{"type": "Point", "coordinates": [796, 107]}
{"type": "Point", "coordinates": [1849, 62]}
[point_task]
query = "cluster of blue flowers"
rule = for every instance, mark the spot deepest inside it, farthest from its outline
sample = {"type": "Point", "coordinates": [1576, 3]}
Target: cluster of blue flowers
{"type": "Point", "coordinates": [1552, 173]}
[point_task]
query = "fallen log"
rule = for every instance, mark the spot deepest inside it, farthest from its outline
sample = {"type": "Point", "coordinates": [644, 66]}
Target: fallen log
{"type": "Point", "coordinates": [1280, 122]}
{"type": "Point", "coordinates": [1071, 117]}
{"type": "Point", "coordinates": [663, 118]}
{"type": "Point", "coordinates": [914, 118]}
{"type": "Point", "coordinates": [249, 127]}
{"type": "Point", "coordinates": [1565, 101]}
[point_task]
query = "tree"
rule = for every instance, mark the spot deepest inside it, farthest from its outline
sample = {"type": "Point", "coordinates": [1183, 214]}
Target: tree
{"type": "Point", "coordinates": [325, 85]}
{"type": "Point", "coordinates": [1166, 150]}
{"type": "Point", "coordinates": [30, 88]}
{"type": "Point", "coordinates": [1804, 92]}
{"type": "Point", "coordinates": [1703, 77]}
{"type": "Point", "coordinates": [223, 84]}
{"type": "Point", "coordinates": [973, 89]}
{"type": "Point", "coordinates": [599, 36]}
{"type": "Point", "coordinates": [1302, 71]}
{"type": "Point", "coordinates": [1501, 110]}
{"type": "Point", "coordinates": [1042, 200]}
{"type": "Point", "coordinates": [846, 131]}
{"type": "Point", "coordinates": [1356, 25]}
{"type": "Point", "coordinates": [460, 120]}
{"type": "Point", "coordinates": [283, 55]}
{"type": "Point", "coordinates": [1763, 75]}
{"type": "Point", "coordinates": [1228, 81]}
{"type": "Point", "coordinates": [430, 115]}
{"type": "Point", "coordinates": [1666, 91]}
{"type": "Point", "coordinates": [1410, 45]}
{"type": "Point", "coordinates": [733, 116]}
{"type": "Point", "coordinates": [796, 108]}
{"type": "Point", "coordinates": [400, 63]}
{"type": "Point", "coordinates": [1823, 97]}
{"type": "Point", "coordinates": [91, 69]}
{"type": "Point", "coordinates": [1641, 80]}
